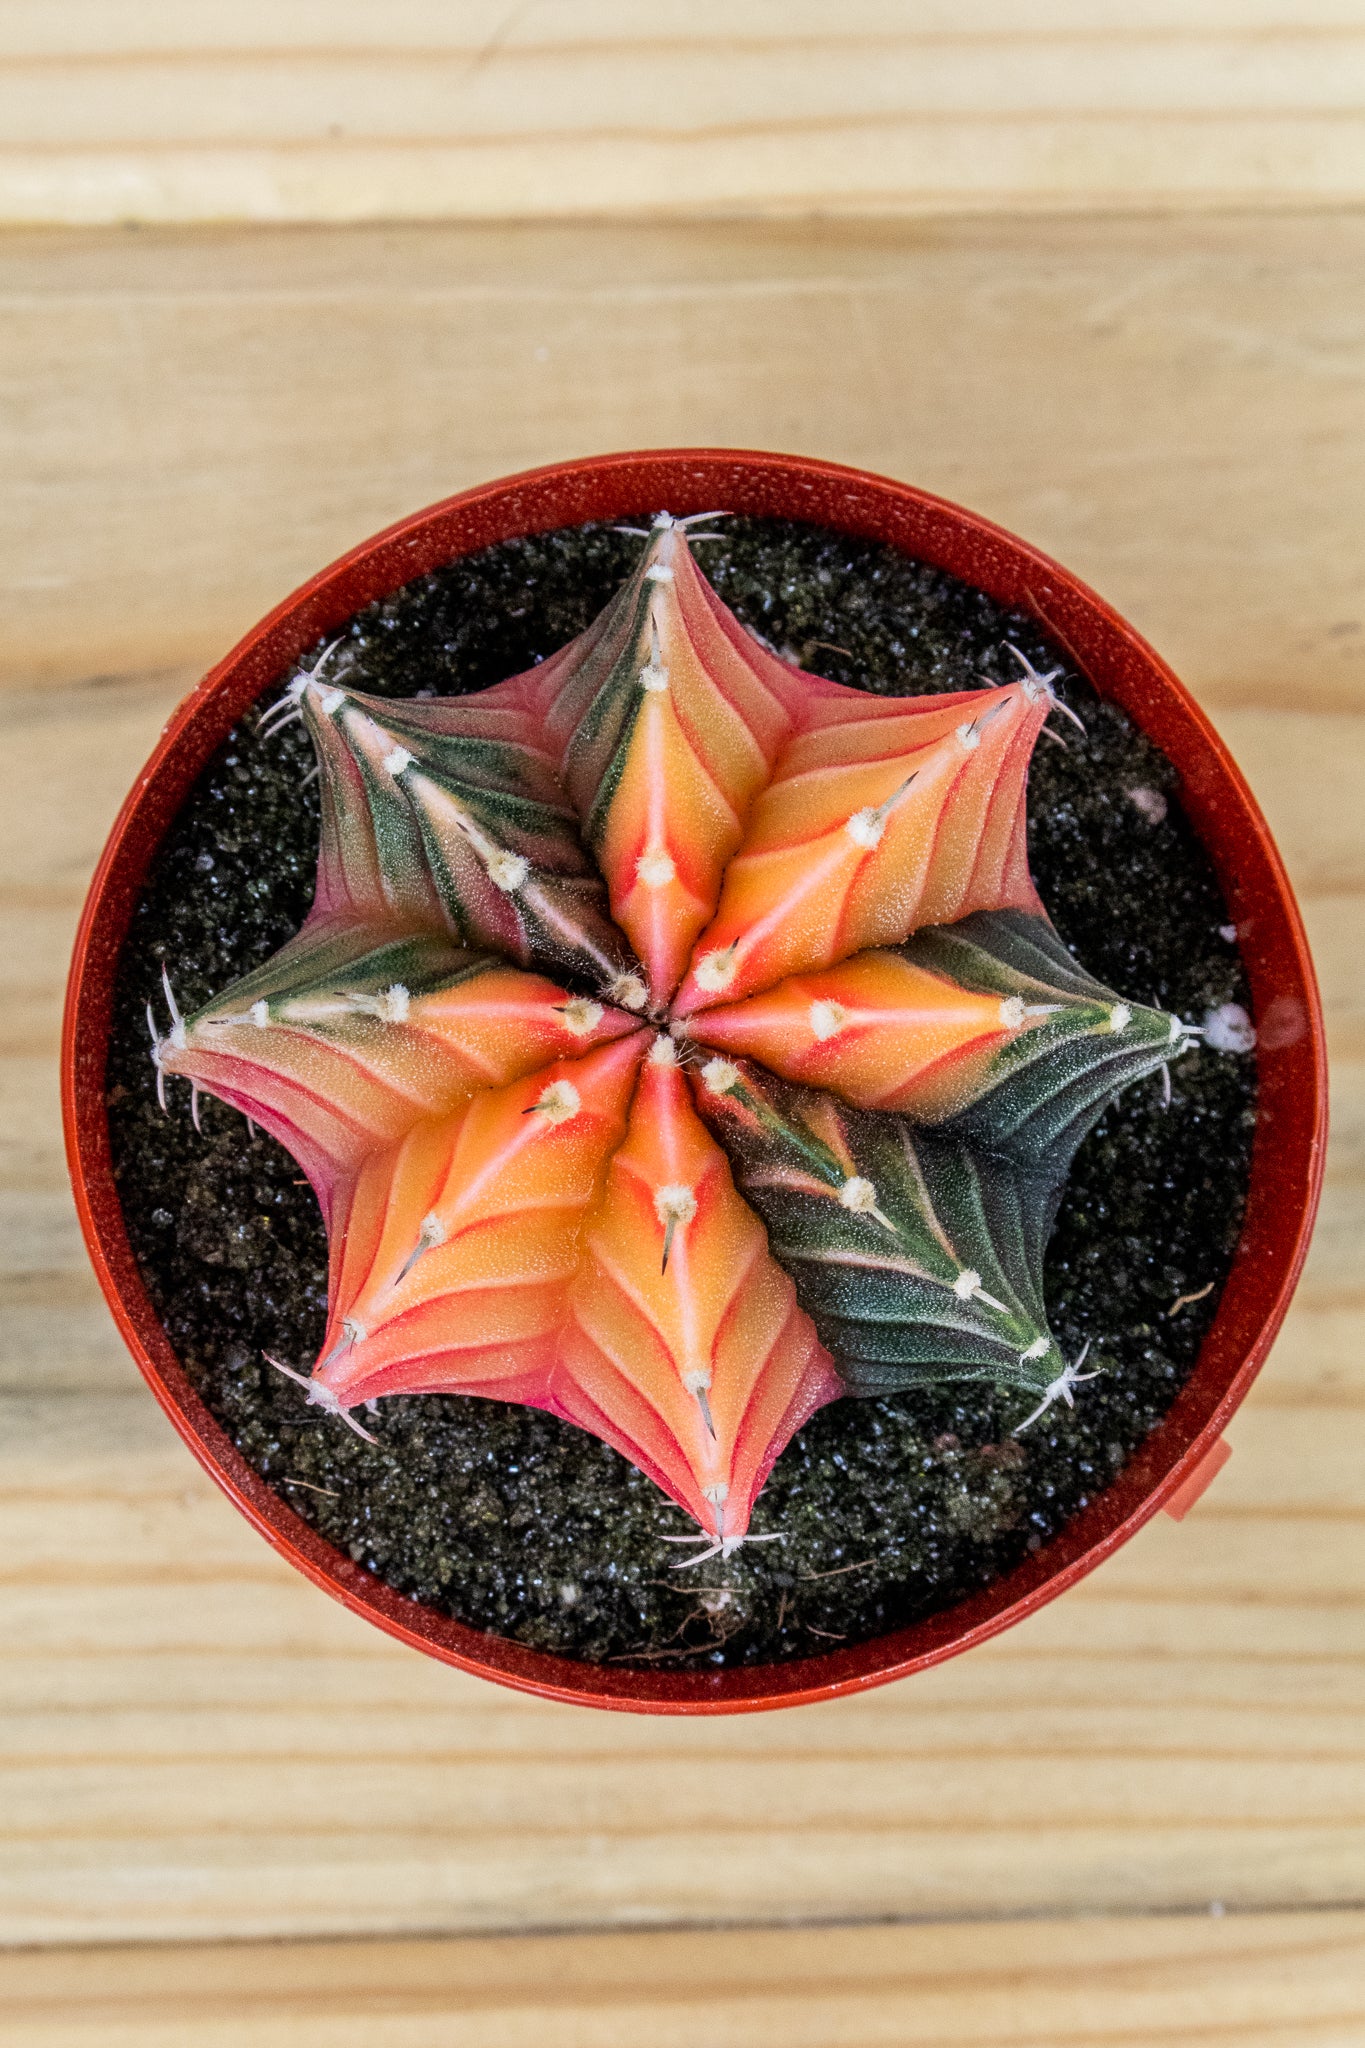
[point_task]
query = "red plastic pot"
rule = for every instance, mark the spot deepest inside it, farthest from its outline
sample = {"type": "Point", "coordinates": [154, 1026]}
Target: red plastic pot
{"type": "Point", "coordinates": [1291, 1123]}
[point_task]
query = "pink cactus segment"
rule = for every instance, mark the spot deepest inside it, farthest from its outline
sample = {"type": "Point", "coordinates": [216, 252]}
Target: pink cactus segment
{"type": "Point", "coordinates": [684, 1345]}
{"type": "Point", "coordinates": [349, 1036]}
{"type": "Point", "coordinates": [881, 817]}
{"type": "Point", "coordinates": [668, 725]}
{"type": "Point", "coordinates": [797, 689]}
{"type": "Point", "coordinates": [458, 1244]}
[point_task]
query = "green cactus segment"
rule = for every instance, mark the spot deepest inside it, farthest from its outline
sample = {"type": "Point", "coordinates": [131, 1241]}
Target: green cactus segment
{"type": "Point", "coordinates": [333, 979]}
{"type": "Point", "coordinates": [1045, 1086]}
{"type": "Point", "coordinates": [600, 699]}
{"type": "Point", "coordinates": [446, 816]}
{"type": "Point", "coordinates": [917, 1258]}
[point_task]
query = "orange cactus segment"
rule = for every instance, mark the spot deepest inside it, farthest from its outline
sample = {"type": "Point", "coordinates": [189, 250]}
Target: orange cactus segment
{"type": "Point", "coordinates": [877, 821]}
{"type": "Point", "coordinates": [877, 1030]}
{"type": "Point", "coordinates": [459, 1244]}
{"type": "Point", "coordinates": [684, 1345]}
{"type": "Point", "coordinates": [661, 844]}
{"type": "Point", "coordinates": [667, 731]}
{"type": "Point", "coordinates": [348, 1036]}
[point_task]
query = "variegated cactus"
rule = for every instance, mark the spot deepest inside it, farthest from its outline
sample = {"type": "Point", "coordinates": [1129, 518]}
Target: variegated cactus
{"type": "Point", "coordinates": [676, 1042]}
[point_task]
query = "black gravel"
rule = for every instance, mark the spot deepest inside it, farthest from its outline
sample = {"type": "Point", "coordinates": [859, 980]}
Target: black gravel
{"type": "Point", "coordinates": [891, 1509]}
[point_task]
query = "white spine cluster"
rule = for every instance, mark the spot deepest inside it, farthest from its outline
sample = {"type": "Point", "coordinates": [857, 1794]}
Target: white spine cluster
{"type": "Point", "coordinates": [865, 828]}
{"type": "Point", "coordinates": [656, 868]}
{"type": "Point", "coordinates": [507, 871]}
{"type": "Point", "coordinates": [827, 1019]}
{"type": "Point", "coordinates": [558, 1102]}
{"type": "Point", "coordinates": [675, 1204]}
{"type": "Point", "coordinates": [629, 991]}
{"type": "Point", "coordinates": [581, 1015]}
{"type": "Point", "coordinates": [715, 971]}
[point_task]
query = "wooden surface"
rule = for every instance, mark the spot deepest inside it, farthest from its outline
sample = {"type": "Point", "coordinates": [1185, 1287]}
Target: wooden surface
{"type": "Point", "coordinates": [197, 1747]}
{"type": "Point", "coordinates": [156, 110]}
{"type": "Point", "coordinates": [1258, 1981]}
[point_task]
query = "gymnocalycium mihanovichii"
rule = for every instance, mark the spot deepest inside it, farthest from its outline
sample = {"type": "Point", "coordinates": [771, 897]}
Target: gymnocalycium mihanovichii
{"type": "Point", "coordinates": [676, 1042]}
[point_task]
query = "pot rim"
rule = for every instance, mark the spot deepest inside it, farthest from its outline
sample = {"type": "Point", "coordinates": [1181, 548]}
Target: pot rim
{"type": "Point", "coordinates": [1288, 1146]}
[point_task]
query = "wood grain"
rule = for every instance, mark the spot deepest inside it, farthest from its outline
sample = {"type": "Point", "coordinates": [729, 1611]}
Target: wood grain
{"type": "Point", "coordinates": [194, 1745]}
{"type": "Point", "coordinates": [114, 110]}
{"type": "Point", "coordinates": [1253, 1981]}
{"type": "Point", "coordinates": [199, 420]}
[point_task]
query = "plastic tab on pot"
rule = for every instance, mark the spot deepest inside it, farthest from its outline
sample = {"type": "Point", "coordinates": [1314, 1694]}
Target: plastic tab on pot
{"type": "Point", "coordinates": [1202, 1477]}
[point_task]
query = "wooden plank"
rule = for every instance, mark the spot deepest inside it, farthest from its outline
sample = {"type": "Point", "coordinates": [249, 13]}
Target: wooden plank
{"type": "Point", "coordinates": [1253, 1981]}
{"type": "Point", "coordinates": [1176, 418]}
{"type": "Point", "coordinates": [1185, 1726]}
{"type": "Point", "coordinates": [40, 29]}
{"type": "Point", "coordinates": [192, 1741]}
{"type": "Point", "coordinates": [112, 111]}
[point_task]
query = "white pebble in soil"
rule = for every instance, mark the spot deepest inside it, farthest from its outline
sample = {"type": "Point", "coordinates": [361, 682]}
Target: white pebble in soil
{"type": "Point", "coordinates": [1229, 1029]}
{"type": "Point", "coordinates": [1150, 802]}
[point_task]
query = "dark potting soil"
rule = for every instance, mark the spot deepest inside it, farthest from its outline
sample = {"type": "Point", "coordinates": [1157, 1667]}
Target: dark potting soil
{"type": "Point", "coordinates": [890, 1509]}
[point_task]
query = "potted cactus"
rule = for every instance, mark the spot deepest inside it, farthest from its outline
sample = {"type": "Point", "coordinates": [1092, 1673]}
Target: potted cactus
{"type": "Point", "coordinates": [677, 1049]}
